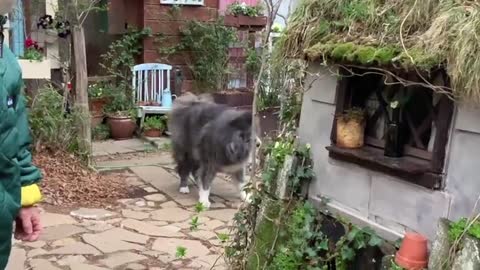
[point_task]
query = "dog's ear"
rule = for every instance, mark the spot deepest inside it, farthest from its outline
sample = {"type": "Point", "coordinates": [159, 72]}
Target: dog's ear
{"type": "Point", "coordinates": [243, 120]}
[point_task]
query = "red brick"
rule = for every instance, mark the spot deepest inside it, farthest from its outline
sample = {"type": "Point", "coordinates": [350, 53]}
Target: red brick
{"type": "Point", "coordinates": [212, 3]}
{"type": "Point", "coordinates": [168, 29]}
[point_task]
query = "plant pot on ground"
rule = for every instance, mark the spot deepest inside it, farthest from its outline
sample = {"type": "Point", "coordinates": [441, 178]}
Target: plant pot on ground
{"type": "Point", "coordinates": [154, 126]}
{"type": "Point", "coordinates": [351, 128]}
{"type": "Point", "coordinates": [98, 97]}
{"type": "Point", "coordinates": [121, 117]}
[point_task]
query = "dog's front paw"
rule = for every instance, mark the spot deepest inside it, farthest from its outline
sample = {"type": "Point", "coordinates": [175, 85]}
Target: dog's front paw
{"type": "Point", "coordinates": [184, 190]}
{"type": "Point", "coordinates": [246, 197]}
{"type": "Point", "coordinates": [205, 203]}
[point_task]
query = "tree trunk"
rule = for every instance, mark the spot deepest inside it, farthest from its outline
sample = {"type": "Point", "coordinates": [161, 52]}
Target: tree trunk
{"type": "Point", "coordinates": [81, 88]}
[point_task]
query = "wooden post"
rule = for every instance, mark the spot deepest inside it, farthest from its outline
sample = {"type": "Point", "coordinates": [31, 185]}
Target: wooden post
{"type": "Point", "coordinates": [81, 88]}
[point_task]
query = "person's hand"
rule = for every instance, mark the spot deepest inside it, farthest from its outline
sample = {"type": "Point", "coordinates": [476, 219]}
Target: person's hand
{"type": "Point", "coordinates": [28, 226]}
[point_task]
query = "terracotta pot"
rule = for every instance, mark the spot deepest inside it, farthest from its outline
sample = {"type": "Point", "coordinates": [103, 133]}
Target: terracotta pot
{"type": "Point", "coordinates": [234, 98]}
{"type": "Point", "coordinates": [122, 128]}
{"type": "Point", "coordinates": [413, 253]}
{"type": "Point", "coordinates": [350, 134]}
{"type": "Point", "coordinates": [153, 133]}
{"type": "Point", "coordinates": [96, 119]}
{"type": "Point", "coordinates": [96, 105]}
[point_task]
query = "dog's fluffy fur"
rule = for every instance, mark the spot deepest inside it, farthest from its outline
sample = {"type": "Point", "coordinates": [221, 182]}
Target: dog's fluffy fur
{"type": "Point", "coordinates": [208, 138]}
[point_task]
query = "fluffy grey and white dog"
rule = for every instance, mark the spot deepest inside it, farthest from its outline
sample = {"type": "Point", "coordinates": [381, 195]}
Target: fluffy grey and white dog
{"type": "Point", "coordinates": [208, 138]}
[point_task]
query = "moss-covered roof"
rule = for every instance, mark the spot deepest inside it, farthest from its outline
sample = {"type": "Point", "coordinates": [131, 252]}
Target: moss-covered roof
{"type": "Point", "coordinates": [410, 34]}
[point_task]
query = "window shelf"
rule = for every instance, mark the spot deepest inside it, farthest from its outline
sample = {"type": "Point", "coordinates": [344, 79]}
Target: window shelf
{"type": "Point", "coordinates": [183, 2]}
{"type": "Point", "coordinates": [410, 169]}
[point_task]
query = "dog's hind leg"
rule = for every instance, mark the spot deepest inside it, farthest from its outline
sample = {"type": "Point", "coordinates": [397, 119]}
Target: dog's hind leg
{"type": "Point", "coordinates": [239, 177]}
{"type": "Point", "coordinates": [184, 168]}
{"type": "Point", "coordinates": [206, 176]}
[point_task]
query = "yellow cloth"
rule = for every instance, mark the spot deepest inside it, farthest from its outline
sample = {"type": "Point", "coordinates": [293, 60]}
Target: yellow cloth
{"type": "Point", "coordinates": [31, 195]}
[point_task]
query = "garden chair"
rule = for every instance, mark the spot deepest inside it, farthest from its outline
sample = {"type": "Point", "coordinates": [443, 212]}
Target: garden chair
{"type": "Point", "coordinates": [152, 93]}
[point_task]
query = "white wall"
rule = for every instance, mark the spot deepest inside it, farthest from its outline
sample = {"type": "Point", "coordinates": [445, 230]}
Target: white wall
{"type": "Point", "coordinates": [389, 205]}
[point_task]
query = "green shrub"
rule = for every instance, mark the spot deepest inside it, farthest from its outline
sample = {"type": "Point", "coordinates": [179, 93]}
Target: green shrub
{"type": "Point", "coordinates": [51, 126]}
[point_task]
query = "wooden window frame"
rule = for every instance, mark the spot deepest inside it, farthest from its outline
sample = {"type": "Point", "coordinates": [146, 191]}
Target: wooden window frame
{"type": "Point", "coordinates": [419, 167]}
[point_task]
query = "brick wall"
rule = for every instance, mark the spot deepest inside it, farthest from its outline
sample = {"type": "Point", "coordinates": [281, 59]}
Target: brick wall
{"type": "Point", "coordinates": [158, 18]}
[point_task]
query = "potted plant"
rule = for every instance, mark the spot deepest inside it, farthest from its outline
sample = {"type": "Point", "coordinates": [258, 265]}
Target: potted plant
{"type": "Point", "coordinates": [242, 15]}
{"type": "Point", "coordinates": [351, 128]}
{"type": "Point", "coordinates": [32, 63]}
{"type": "Point", "coordinates": [121, 116]}
{"type": "Point", "coordinates": [98, 97]}
{"type": "Point", "coordinates": [154, 126]}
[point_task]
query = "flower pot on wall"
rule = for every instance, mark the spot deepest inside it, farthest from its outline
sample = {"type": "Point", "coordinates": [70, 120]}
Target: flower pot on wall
{"type": "Point", "coordinates": [245, 21]}
{"type": "Point", "coordinates": [121, 127]}
{"type": "Point", "coordinates": [350, 133]}
{"type": "Point", "coordinates": [96, 105]}
{"type": "Point", "coordinates": [35, 69]}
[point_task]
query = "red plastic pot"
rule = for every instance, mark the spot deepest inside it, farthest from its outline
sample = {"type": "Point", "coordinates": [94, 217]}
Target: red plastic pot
{"type": "Point", "coordinates": [413, 253]}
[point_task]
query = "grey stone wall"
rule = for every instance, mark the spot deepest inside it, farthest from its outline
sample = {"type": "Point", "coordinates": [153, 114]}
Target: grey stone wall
{"type": "Point", "coordinates": [389, 205]}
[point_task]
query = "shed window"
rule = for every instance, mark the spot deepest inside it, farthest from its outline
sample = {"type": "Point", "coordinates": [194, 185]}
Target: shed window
{"type": "Point", "coordinates": [425, 118]}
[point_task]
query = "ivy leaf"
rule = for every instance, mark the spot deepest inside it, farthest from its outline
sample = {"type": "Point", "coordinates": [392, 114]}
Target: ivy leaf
{"type": "Point", "coordinates": [347, 253]}
{"type": "Point", "coordinates": [324, 244]}
{"type": "Point", "coordinates": [352, 234]}
{"type": "Point", "coordinates": [375, 241]}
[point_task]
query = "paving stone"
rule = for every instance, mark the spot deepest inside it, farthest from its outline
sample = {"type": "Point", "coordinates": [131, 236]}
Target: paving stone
{"type": "Point", "coordinates": [170, 204]}
{"type": "Point", "coordinates": [188, 223]}
{"type": "Point", "coordinates": [151, 204]}
{"type": "Point", "coordinates": [169, 246]}
{"type": "Point", "coordinates": [135, 214]}
{"type": "Point", "coordinates": [126, 201]}
{"type": "Point", "coordinates": [17, 259]}
{"type": "Point", "coordinates": [152, 230]}
{"type": "Point", "coordinates": [222, 214]}
{"type": "Point", "coordinates": [150, 189]}
{"type": "Point", "coordinates": [36, 244]}
{"type": "Point", "coordinates": [100, 227]}
{"type": "Point", "coordinates": [52, 219]}
{"type": "Point", "coordinates": [116, 240]}
{"type": "Point", "coordinates": [113, 221]}
{"type": "Point", "coordinates": [140, 203]}
{"type": "Point", "coordinates": [158, 223]}
{"type": "Point", "coordinates": [212, 224]}
{"type": "Point", "coordinates": [158, 197]}
{"type": "Point", "coordinates": [63, 242]}
{"type": "Point", "coordinates": [82, 266]}
{"type": "Point", "coordinates": [210, 260]}
{"type": "Point", "coordinates": [159, 178]}
{"type": "Point", "coordinates": [91, 213]}
{"type": "Point", "coordinates": [171, 214]}
{"type": "Point", "coordinates": [117, 259]}
{"type": "Point", "coordinates": [186, 201]}
{"type": "Point", "coordinates": [72, 259]}
{"type": "Point", "coordinates": [75, 249]}
{"type": "Point", "coordinates": [135, 266]}
{"type": "Point", "coordinates": [204, 235]}
{"type": "Point", "coordinates": [134, 181]}
{"type": "Point", "coordinates": [42, 264]}
{"type": "Point", "coordinates": [36, 252]}
{"type": "Point", "coordinates": [60, 232]}
{"type": "Point", "coordinates": [216, 205]}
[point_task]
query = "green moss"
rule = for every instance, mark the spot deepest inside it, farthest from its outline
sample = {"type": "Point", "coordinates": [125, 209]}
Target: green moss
{"type": "Point", "coordinates": [265, 235]}
{"type": "Point", "coordinates": [421, 59]}
{"type": "Point", "coordinates": [458, 228]}
{"type": "Point", "coordinates": [365, 54]}
{"type": "Point", "coordinates": [342, 50]}
{"type": "Point", "coordinates": [384, 55]}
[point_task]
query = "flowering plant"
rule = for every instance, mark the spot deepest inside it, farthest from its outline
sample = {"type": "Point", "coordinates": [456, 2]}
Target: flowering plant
{"type": "Point", "coordinates": [32, 50]}
{"type": "Point", "coordinates": [238, 8]}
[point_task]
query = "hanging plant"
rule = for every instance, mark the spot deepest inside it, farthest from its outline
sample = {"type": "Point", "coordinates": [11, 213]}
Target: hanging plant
{"type": "Point", "coordinates": [45, 22]}
{"type": "Point", "coordinates": [63, 28]}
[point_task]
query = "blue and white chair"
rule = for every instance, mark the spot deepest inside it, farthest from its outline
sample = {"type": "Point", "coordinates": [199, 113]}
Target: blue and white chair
{"type": "Point", "coordinates": [151, 83]}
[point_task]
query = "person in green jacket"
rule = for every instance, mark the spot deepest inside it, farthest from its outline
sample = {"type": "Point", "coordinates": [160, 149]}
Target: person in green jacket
{"type": "Point", "coordinates": [19, 192]}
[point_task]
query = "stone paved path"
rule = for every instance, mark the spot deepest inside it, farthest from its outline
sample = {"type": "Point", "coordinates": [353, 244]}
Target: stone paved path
{"type": "Point", "coordinates": [148, 232]}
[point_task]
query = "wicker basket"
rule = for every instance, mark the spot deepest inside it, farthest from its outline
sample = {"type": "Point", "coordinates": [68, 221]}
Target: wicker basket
{"type": "Point", "coordinates": [350, 133]}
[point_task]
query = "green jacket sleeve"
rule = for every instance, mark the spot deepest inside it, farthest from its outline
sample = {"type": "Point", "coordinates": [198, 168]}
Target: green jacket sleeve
{"type": "Point", "coordinates": [29, 174]}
